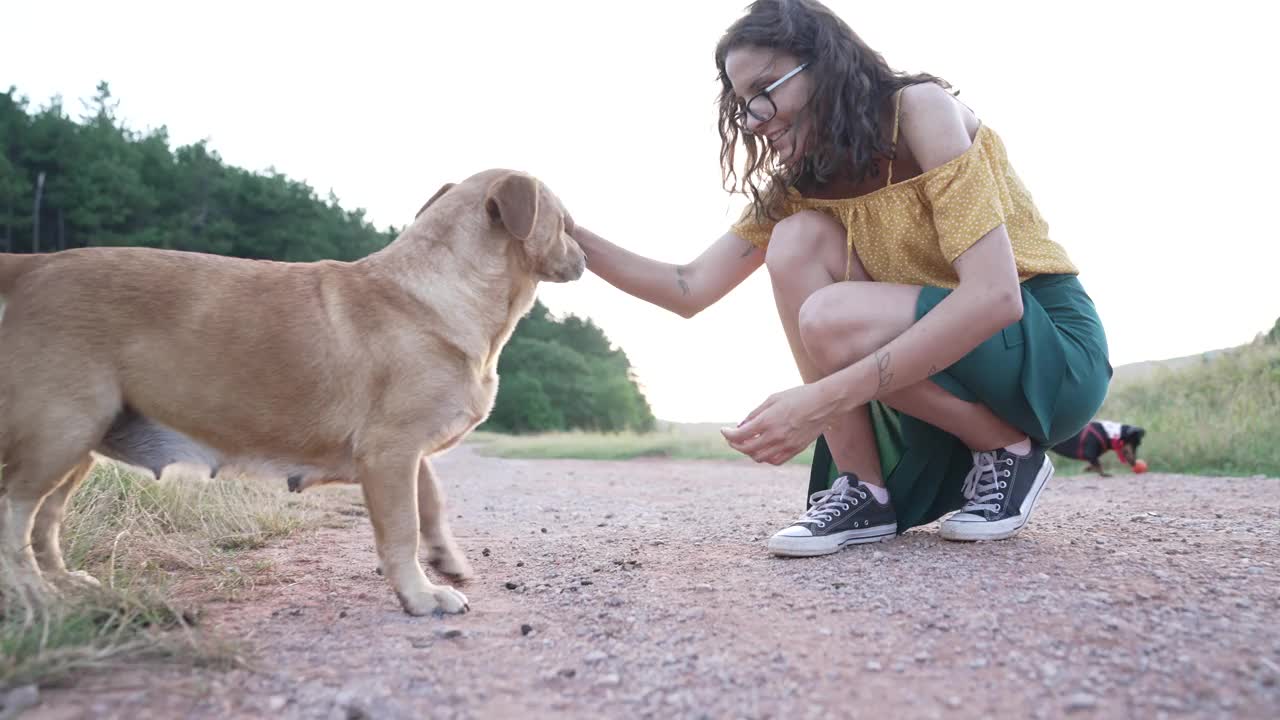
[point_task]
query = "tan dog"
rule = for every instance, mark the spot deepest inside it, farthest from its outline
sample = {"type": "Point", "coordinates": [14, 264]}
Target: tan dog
{"type": "Point", "coordinates": [358, 370]}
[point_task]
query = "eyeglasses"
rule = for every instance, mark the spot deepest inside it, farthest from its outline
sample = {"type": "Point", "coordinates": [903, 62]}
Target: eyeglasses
{"type": "Point", "coordinates": [761, 106]}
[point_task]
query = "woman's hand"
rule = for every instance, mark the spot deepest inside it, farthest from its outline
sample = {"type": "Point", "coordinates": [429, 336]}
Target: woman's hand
{"type": "Point", "coordinates": [783, 425]}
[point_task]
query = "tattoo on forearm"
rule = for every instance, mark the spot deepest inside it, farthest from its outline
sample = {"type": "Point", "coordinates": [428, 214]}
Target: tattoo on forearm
{"type": "Point", "coordinates": [684, 286]}
{"type": "Point", "coordinates": [886, 376]}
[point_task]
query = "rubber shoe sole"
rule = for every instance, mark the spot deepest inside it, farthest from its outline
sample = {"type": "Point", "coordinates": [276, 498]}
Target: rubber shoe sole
{"type": "Point", "coordinates": [793, 546]}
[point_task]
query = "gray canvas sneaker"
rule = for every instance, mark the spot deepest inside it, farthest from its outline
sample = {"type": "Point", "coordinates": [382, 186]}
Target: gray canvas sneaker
{"type": "Point", "coordinates": [1002, 489]}
{"type": "Point", "coordinates": [847, 514]}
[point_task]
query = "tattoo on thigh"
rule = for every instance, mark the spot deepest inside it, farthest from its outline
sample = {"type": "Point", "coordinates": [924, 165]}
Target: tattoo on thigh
{"type": "Point", "coordinates": [886, 376]}
{"type": "Point", "coordinates": [750, 249]}
{"type": "Point", "coordinates": [684, 286]}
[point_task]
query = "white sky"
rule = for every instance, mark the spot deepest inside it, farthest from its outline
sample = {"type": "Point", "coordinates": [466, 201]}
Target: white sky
{"type": "Point", "coordinates": [1145, 131]}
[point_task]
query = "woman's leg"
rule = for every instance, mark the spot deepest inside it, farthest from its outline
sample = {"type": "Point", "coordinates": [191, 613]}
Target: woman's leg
{"type": "Point", "coordinates": [1008, 470]}
{"type": "Point", "coordinates": [831, 324]}
{"type": "Point", "coordinates": [807, 253]}
{"type": "Point", "coordinates": [846, 322]}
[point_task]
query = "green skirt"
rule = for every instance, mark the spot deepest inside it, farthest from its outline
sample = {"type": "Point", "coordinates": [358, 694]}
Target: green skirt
{"type": "Point", "coordinates": [1046, 374]}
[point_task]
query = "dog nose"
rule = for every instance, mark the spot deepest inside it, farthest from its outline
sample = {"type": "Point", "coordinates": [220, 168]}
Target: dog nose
{"type": "Point", "coordinates": [576, 271]}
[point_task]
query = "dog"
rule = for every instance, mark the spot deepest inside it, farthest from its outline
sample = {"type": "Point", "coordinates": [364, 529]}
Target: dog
{"type": "Point", "coordinates": [1097, 438]}
{"type": "Point", "coordinates": [333, 371]}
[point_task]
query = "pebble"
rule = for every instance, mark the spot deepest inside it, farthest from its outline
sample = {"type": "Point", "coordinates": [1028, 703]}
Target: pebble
{"type": "Point", "coordinates": [873, 665]}
{"type": "Point", "coordinates": [13, 703]}
{"type": "Point", "coordinates": [1081, 701]}
{"type": "Point", "coordinates": [610, 680]}
{"type": "Point", "coordinates": [526, 629]}
{"type": "Point", "coordinates": [595, 656]}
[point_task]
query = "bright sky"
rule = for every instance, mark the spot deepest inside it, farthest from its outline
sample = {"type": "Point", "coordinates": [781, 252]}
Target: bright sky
{"type": "Point", "coordinates": [1143, 130]}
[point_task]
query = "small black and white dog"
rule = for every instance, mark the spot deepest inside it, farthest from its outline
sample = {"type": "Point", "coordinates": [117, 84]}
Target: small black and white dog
{"type": "Point", "coordinates": [1097, 438]}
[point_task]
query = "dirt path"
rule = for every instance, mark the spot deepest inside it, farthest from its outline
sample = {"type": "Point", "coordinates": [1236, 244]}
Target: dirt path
{"type": "Point", "coordinates": [649, 593]}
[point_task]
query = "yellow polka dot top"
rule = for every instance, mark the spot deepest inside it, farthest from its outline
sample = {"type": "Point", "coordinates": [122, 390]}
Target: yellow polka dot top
{"type": "Point", "coordinates": [911, 232]}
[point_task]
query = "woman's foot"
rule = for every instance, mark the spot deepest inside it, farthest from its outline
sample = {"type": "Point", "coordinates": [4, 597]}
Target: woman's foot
{"type": "Point", "coordinates": [847, 514]}
{"type": "Point", "coordinates": [1002, 489]}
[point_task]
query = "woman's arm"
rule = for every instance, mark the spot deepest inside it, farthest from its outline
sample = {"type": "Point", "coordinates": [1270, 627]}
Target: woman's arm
{"type": "Point", "coordinates": [685, 290]}
{"type": "Point", "coordinates": [987, 298]}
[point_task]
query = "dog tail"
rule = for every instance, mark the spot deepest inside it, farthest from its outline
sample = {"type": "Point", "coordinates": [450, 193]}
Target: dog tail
{"type": "Point", "coordinates": [12, 267]}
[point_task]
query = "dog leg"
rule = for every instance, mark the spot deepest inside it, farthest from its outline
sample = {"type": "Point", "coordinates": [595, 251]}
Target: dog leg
{"type": "Point", "coordinates": [58, 434]}
{"type": "Point", "coordinates": [45, 535]}
{"type": "Point", "coordinates": [25, 488]}
{"type": "Point", "coordinates": [443, 553]}
{"type": "Point", "coordinates": [390, 487]}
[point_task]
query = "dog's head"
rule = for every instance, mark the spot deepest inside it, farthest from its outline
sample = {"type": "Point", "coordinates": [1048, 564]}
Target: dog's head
{"type": "Point", "coordinates": [515, 207]}
{"type": "Point", "coordinates": [1130, 438]}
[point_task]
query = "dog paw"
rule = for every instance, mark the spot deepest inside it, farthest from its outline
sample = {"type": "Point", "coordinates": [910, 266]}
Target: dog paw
{"type": "Point", "coordinates": [452, 565]}
{"type": "Point", "coordinates": [451, 601]}
{"type": "Point", "coordinates": [73, 581]}
{"type": "Point", "coordinates": [28, 595]}
{"type": "Point", "coordinates": [439, 599]}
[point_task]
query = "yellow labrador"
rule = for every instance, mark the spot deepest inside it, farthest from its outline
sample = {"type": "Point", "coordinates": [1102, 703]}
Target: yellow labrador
{"type": "Point", "coordinates": [359, 370]}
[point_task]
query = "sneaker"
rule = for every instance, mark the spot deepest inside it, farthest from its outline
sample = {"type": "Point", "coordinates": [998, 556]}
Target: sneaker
{"type": "Point", "coordinates": [847, 514]}
{"type": "Point", "coordinates": [1002, 489]}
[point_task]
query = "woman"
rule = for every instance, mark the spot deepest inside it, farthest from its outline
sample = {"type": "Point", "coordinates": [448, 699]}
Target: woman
{"type": "Point", "coordinates": [944, 339]}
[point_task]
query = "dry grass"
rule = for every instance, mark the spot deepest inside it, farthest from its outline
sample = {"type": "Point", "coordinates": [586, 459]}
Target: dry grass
{"type": "Point", "coordinates": [140, 538]}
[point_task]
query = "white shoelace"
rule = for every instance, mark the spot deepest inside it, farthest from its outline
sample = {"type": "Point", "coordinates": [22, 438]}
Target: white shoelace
{"type": "Point", "coordinates": [826, 505]}
{"type": "Point", "coordinates": [983, 486]}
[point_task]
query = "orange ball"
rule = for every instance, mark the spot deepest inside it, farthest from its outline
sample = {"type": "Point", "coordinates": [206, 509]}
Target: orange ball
{"type": "Point", "coordinates": [1139, 466]}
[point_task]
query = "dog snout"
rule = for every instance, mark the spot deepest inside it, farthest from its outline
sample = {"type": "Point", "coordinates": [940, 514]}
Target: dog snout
{"type": "Point", "coordinates": [573, 261]}
{"type": "Point", "coordinates": [574, 269]}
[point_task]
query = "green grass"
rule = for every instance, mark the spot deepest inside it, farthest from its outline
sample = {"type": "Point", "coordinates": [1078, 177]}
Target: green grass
{"type": "Point", "coordinates": [677, 442]}
{"type": "Point", "coordinates": [150, 544]}
{"type": "Point", "coordinates": [1216, 417]}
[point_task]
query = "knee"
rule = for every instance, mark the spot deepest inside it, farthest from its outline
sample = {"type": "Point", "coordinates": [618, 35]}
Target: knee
{"type": "Point", "coordinates": [796, 240]}
{"type": "Point", "coordinates": [830, 326]}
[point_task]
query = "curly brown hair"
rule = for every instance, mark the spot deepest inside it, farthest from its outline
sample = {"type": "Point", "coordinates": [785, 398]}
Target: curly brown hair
{"type": "Point", "coordinates": [850, 84]}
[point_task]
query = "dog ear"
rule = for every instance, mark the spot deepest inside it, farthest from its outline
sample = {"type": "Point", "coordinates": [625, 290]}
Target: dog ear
{"type": "Point", "coordinates": [443, 189]}
{"type": "Point", "coordinates": [513, 199]}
